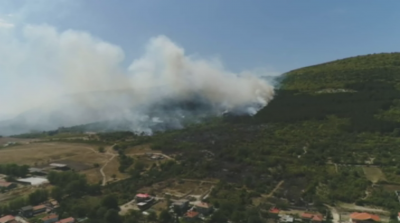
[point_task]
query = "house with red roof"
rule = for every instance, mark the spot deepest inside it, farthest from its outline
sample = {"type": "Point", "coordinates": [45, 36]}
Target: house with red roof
{"type": "Point", "coordinates": [363, 217]}
{"type": "Point", "coordinates": [142, 197]}
{"type": "Point", "coordinates": [203, 207]}
{"type": "Point", "coordinates": [191, 216]}
{"type": "Point", "coordinates": [51, 218]}
{"type": "Point", "coordinates": [309, 217]}
{"type": "Point", "coordinates": [67, 220]}
{"type": "Point", "coordinates": [8, 219]}
{"type": "Point", "coordinates": [274, 211]}
{"type": "Point", "coordinates": [7, 185]}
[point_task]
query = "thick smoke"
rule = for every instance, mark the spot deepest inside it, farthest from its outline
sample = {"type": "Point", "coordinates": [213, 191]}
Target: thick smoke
{"type": "Point", "coordinates": [63, 79]}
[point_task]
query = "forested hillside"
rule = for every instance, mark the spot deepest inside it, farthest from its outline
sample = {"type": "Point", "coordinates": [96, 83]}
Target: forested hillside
{"type": "Point", "coordinates": [318, 140]}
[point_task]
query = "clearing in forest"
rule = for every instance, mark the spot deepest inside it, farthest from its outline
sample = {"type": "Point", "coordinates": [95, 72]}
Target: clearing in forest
{"type": "Point", "coordinates": [374, 174]}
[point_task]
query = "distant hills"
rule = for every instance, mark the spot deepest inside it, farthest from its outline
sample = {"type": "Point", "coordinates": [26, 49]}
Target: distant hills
{"type": "Point", "coordinates": [362, 88]}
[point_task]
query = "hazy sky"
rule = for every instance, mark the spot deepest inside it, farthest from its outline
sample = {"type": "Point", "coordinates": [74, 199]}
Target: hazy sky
{"type": "Point", "coordinates": [275, 36]}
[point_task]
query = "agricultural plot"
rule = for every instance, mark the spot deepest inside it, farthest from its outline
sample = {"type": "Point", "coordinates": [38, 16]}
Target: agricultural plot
{"type": "Point", "coordinates": [374, 174]}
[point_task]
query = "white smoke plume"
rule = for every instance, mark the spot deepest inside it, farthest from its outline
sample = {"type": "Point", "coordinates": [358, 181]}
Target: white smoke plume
{"type": "Point", "coordinates": [68, 78]}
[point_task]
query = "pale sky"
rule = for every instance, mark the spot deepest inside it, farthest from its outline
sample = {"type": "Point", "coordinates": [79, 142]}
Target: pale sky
{"type": "Point", "coordinates": [264, 35]}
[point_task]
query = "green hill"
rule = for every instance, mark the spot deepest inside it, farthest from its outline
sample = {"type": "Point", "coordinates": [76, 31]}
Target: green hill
{"type": "Point", "coordinates": [330, 135]}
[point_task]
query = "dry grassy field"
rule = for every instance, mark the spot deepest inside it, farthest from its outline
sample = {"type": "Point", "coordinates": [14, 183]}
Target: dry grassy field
{"type": "Point", "coordinates": [374, 174]}
{"type": "Point", "coordinates": [42, 153]}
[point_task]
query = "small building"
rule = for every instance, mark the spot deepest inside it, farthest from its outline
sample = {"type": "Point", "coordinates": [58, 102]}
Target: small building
{"type": "Point", "coordinates": [182, 204]}
{"type": "Point", "coordinates": [8, 219]}
{"type": "Point", "coordinates": [309, 217]}
{"type": "Point", "coordinates": [26, 211]}
{"type": "Point", "coordinates": [34, 181]}
{"type": "Point", "coordinates": [286, 219]}
{"type": "Point", "coordinates": [145, 204]}
{"type": "Point", "coordinates": [274, 212]}
{"type": "Point", "coordinates": [7, 185]}
{"type": "Point", "coordinates": [39, 209]}
{"type": "Point", "coordinates": [191, 216]}
{"type": "Point", "coordinates": [51, 218]}
{"type": "Point", "coordinates": [203, 208]}
{"type": "Point", "coordinates": [37, 171]}
{"type": "Point", "coordinates": [363, 217]}
{"type": "Point", "coordinates": [59, 166]}
{"type": "Point", "coordinates": [67, 220]}
{"type": "Point", "coordinates": [142, 197]}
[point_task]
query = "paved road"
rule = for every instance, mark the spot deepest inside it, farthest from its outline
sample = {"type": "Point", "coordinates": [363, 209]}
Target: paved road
{"type": "Point", "coordinates": [335, 214]}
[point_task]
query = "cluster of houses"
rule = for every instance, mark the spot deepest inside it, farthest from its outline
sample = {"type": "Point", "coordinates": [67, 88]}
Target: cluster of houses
{"type": "Point", "coordinates": [192, 212]}
{"type": "Point", "coordinates": [47, 209]}
{"type": "Point", "coordinates": [356, 217]}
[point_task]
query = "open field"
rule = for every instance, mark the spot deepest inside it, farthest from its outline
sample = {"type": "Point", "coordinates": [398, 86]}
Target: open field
{"type": "Point", "coordinates": [42, 153]}
{"type": "Point", "coordinates": [93, 175]}
{"type": "Point", "coordinates": [112, 168]}
{"type": "Point", "coordinates": [374, 174]}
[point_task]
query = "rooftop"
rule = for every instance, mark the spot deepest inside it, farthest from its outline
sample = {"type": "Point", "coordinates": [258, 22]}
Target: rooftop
{"type": "Point", "coordinates": [34, 180]}
{"type": "Point", "coordinates": [142, 195]}
{"type": "Point", "coordinates": [26, 208]}
{"type": "Point", "coordinates": [5, 184]}
{"type": "Point", "coordinates": [50, 216]}
{"type": "Point", "coordinates": [274, 211]}
{"type": "Point", "coordinates": [364, 216]}
{"type": "Point", "coordinates": [66, 220]}
{"type": "Point", "coordinates": [6, 218]}
{"type": "Point", "coordinates": [57, 165]}
{"type": "Point", "coordinates": [202, 204]}
{"type": "Point", "coordinates": [307, 215]}
{"type": "Point", "coordinates": [42, 206]}
{"type": "Point", "coordinates": [191, 214]}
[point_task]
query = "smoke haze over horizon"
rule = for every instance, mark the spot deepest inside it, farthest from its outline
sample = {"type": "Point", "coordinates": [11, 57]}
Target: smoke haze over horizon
{"type": "Point", "coordinates": [41, 68]}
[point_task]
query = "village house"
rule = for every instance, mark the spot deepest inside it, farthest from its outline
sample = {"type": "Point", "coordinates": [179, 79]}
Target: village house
{"type": "Point", "coordinates": [203, 208]}
{"type": "Point", "coordinates": [59, 166]}
{"type": "Point", "coordinates": [26, 211]}
{"type": "Point", "coordinates": [191, 216]}
{"type": "Point", "coordinates": [181, 205]}
{"type": "Point", "coordinates": [39, 209]}
{"type": "Point", "coordinates": [309, 217]}
{"type": "Point", "coordinates": [286, 219]}
{"type": "Point", "coordinates": [142, 197]}
{"type": "Point", "coordinates": [7, 185]}
{"type": "Point", "coordinates": [8, 219]}
{"type": "Point", "coordinates": [51, 218]}
{"type": "Point", "coordinates": [67, 220]}
{"type": "Point", "coordinates": [274, 212]}
{"type": "Point", "coordinates": [358, 217]}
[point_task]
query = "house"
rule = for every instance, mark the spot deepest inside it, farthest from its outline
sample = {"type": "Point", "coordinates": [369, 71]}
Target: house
{"type": "Point", "coordinates": [67, 220]}
{"type": "Point", "coordinates": [39, 209]}
{"type": "Point", "coordinates": [26, 211]}
{"type": "Point", "coordinates": [7, 185]}
{"type": "Point", "coordinates": [203, 208]}
{"type": "Point", "coordinates": [182, 204]}
{"type": "Point", "coordinates": [286, 219]}
{"type": "Point", "coordinates": [309, 217]}
{"type": "Point", "coordinates": [142, 197]}
{"type": "Point", "coordinates": [274, 212]}
{"type": "Point", "coordinates": [145, 204]}
{"type": "Point", "coordinates": [363, 217]}
{"type": "Point", "coordinates": [191, 216]}
{"type": "Point", "coordinates": [59, 166]}
{"type": "Point", "coordinates": [51, 218]}
{"type": "Point", "coordinates": [34, 181]}
{"type": "Point", "coordinates": [8, 219]}
{"type": "Point", "coordinates": [37, 171]}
